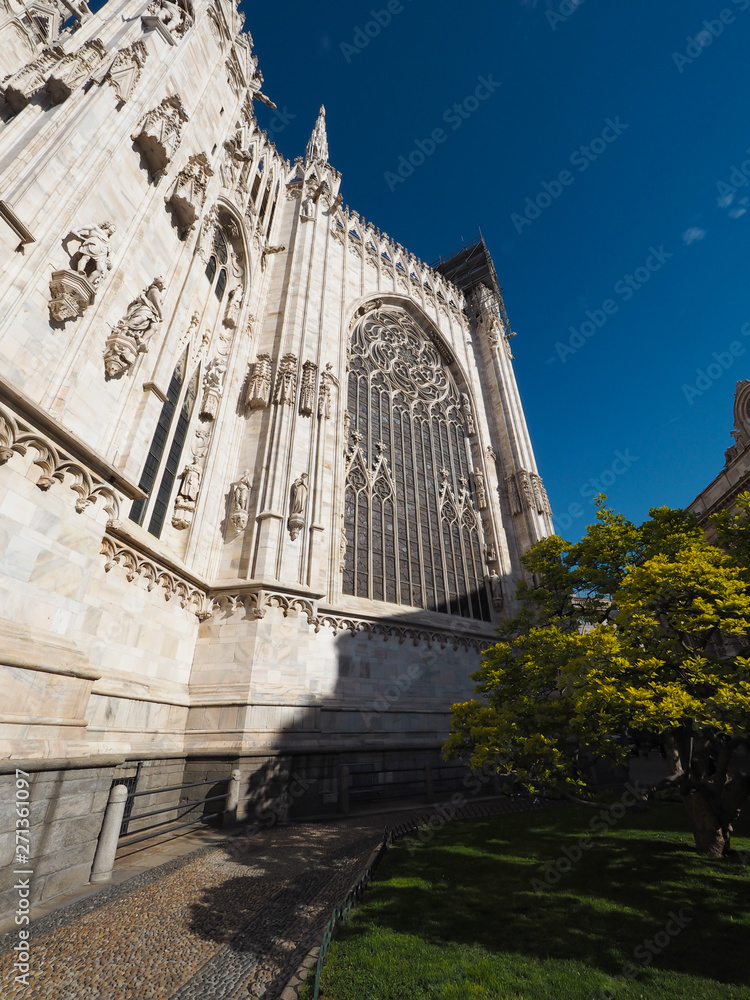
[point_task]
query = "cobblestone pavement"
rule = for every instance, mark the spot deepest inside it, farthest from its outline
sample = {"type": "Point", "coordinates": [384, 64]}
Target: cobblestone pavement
{"type": "Point", "coordinates": [224, 923]}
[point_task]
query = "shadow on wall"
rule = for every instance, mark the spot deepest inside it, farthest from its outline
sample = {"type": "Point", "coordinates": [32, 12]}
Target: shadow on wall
{"type": "Point", "coordinates": [375, 739]}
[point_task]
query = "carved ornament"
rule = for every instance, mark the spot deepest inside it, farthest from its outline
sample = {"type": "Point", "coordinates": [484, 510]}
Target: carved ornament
{"type": "Point", "coordinates": [159, 132]}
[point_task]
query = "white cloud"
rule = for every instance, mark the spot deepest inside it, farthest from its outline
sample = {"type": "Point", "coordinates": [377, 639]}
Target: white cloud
{"type": "Point", "coordinates": [693, 235]}
{"type": "Point", "coordinates": [726, 200]}
{"type": "Point", "coordinates": [739, 210]}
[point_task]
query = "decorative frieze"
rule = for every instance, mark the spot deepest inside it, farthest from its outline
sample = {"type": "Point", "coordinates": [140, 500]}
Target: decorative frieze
{"type": "Point", "coordinates": [189, 192]}
{"type": "Point", "coordinates": [286, 380]}
{"type": "Point", "coordinates": [307, 388]}
{"type": "Point", "coordinates": [258, 393]}
{"type": "Point", "coordinates": [17, 436]}
{"type": "Point", "coordinates": [139, 566]}
{"type": "Point", "coordinates": [132, 334]}
{"type": "Point", "coordinates": [159, 132]}
{"type": "Point", "coordinates": [74, 70]}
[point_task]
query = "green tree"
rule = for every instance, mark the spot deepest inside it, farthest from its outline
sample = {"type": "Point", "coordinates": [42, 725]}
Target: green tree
{"type": "Point", "coordinates": [631, 629]}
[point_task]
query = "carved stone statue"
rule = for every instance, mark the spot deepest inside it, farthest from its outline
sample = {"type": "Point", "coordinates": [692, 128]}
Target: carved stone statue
{"type": "Point", "coordinates": [132, 334]}
{"type": "Point", "coordinates": [94, 251]}
{"type": "Point", "coordinates": [213, 386]}
{"type": "Point", "coordinates": [479, 487]}
{"type": "Point", "coordinates": [324, 396]}
{"type": "Point", "coordinates": [297, 504]}
{"type": "Point", "coordinates": [184, 504]}
{"type": "Point", "coordinates": [468, 415]}
{"type": "Point", "coordinates": [240, 502]}
{"type": "Point", "coordinates": [174, 16]}
{"type": "Point", "coordinates": [496, 590]}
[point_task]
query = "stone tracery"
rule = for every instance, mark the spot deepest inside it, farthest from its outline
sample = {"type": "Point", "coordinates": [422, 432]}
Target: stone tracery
{"type": "Point", "coordinates": [413, 536]}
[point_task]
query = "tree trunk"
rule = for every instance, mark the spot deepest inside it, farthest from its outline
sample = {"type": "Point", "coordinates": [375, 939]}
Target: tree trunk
{"type": "Point", "coordinates": [711, 835]}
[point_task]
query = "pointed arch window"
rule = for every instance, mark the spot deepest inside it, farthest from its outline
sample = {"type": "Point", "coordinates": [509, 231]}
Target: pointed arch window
{"type": "Point", "coordinates": [413, 535]}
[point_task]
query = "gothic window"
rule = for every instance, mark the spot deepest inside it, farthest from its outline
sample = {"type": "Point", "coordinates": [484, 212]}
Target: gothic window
{"type": "Point", "coordinates": [169, 439]}
{"type": "Point", "coordinates": [412, 532]}
{"type": "Point", "coordinates": [221, 284]}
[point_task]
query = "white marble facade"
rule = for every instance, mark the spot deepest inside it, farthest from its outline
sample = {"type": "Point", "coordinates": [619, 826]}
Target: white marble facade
{"type": "Point", "coordinates": [169, 281]}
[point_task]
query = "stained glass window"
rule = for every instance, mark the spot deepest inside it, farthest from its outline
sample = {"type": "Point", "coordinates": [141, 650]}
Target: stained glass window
{"type": "Point", "coordinates": [412, 531]}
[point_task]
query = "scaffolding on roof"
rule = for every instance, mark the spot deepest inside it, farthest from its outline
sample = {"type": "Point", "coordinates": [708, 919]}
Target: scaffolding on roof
{"type": "Point", "coordinates": [469, 266]}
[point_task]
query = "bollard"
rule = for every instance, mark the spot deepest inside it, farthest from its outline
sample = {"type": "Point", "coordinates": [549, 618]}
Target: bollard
{"type": "Point", "coordinates": [428, 783]}
{"type": "Point", "coordinates": [104, 859]}
{"type": "Point", "coordinates": [231, 808]}
{"type": "Point", "coordinates": [344, 790]}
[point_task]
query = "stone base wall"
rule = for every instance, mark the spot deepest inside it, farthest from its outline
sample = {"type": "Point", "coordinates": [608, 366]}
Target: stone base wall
{"type": "Point", "coordinates": [66, 810]}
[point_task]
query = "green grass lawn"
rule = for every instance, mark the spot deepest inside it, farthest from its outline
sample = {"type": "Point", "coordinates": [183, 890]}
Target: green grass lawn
{"type": "Point", "coordinates": [457, 918]}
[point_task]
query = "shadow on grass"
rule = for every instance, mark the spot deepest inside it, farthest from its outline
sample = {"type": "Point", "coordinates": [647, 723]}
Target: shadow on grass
{"type": "Point", "coordinates": [472, 884]}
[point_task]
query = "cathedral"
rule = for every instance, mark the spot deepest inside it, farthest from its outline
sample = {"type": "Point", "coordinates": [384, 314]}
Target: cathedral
{"type": "Point", "coordinates": [265, 476]}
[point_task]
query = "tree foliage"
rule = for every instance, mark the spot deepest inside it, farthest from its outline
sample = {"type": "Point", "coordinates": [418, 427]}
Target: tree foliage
{"type": "Point", "coordinates": [631, 630]}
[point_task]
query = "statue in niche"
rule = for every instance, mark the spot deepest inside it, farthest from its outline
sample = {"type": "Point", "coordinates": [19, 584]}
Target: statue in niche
{"type": "Point", "coordinates": [489, 553]}
{"type": "Point", "coordinates": [308, 208]}
{"type": "Point", "coordinates": [468, 415]}
{"type": "Point", "coordinates": [132, 334]}
{"type": "Point", "coordinates": [94, 250]}
{"type": "Point", "coordinates": [496, 590]}
{"type": "Point", "coordinates": [240, 502]}
{"type": "Point", "coordinates": [297, 504]}
{"type": "Point", "coordinates": [213, 386]}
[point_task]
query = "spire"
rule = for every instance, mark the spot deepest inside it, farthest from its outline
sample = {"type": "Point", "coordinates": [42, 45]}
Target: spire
{"type": "Point", "coordinates": [317, 147]}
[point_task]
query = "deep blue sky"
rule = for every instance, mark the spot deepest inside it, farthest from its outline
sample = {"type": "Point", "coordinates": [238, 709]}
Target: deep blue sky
{"type": "Point", "coordinates": [654, 186]}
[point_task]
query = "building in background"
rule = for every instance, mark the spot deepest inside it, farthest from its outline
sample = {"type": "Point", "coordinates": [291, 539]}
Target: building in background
{"type": "Point", "coordinates": [722, 492]}
{"type": "Point", "coordinates": [265, 477]}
